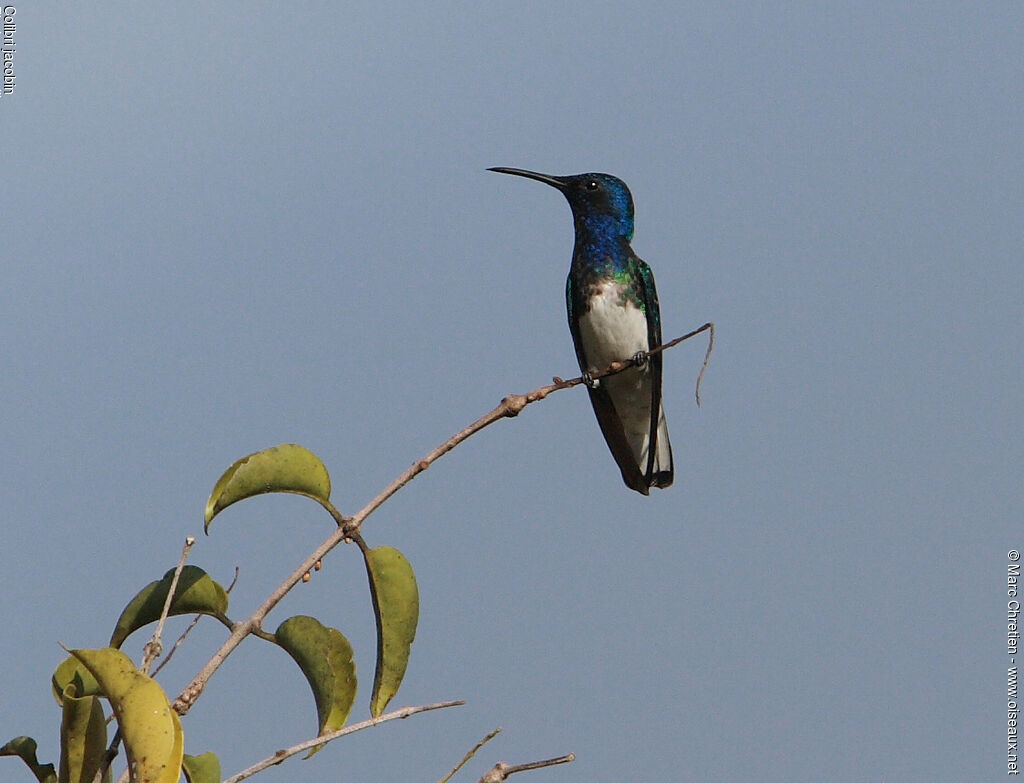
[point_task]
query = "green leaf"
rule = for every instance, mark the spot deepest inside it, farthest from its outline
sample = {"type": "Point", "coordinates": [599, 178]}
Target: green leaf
{"type": "Point", "coordinates": [285, 468]}
{"type": "Point", "coordinates": [396, 605]}
{"type": "Point", "coordinates": [196, 593]}
{"type": "Point", "coordinates": [72, 672]}
{"type": "Point", "coordinates": [201, 769]}
{"type": "Point", "coordinates": [25, 749]}
{"type": "Point", "coordinates": [83, 738]}
{"type": "Point", "coordinates": [325, 657]}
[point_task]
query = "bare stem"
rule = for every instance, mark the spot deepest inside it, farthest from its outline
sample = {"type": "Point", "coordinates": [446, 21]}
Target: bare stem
{"type": "Point", "coordinates": [500, 771]}
{"type": "Point", "coordinates": [470, 755]}
{"type": "Point", "coordinates": [155, 646]}
{"type": "Point", "coordinates": [709, 327]}
{"type": "Point", "coordinates": [281, 755]}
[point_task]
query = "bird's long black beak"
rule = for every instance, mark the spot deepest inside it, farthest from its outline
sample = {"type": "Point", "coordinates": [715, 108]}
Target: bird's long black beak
{"type": "Point", "coordinates": [555, 182]}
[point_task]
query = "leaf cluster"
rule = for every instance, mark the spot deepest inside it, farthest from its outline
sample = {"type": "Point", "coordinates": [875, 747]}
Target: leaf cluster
{"type": "Point", "coordinates": [148, 724]}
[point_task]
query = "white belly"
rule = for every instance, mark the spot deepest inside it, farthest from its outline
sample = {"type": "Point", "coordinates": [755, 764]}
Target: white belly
{"type": "Point", "coordinates": [611, 332]}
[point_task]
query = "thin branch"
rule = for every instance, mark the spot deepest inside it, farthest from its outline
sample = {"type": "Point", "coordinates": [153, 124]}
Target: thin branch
{"type": "Point", "coordinates": [281, 755]}
{"type": "Point", "coordinates": [500, 771]}
{"type": "Point", "coordinates": [509, 407]}
{"type": "Point", "coordinates": [150, 652]}
{"type": "Point", "coordinates": [709, 327]}
{"type": "Point", "coordinates": [470, 755]}
{"type": "Point", "coordinates": [191, 625]}
{"type": "Point", "coordinates": [347, 526]}
{"type": "Point", "coordinates": [154, 646]}
{"type": "Point", "coordinates": [178, 643]}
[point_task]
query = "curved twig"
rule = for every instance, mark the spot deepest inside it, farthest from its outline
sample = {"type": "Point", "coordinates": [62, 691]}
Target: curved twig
{"type": "Point", "coordinates": [470, 755]}
{"type": "Point", "coordinates": [281, 755]}
{"type": "Point", "coordinates": [348, 526]}
{"type": "Point", "coordinates": [500, 771]}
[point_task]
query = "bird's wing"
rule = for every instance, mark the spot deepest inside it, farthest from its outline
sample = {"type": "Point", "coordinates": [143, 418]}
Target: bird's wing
{"type": "Point", "coordinates": [653, 313]}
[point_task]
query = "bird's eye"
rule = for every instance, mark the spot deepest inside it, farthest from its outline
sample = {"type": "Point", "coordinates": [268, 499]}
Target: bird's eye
{"type": "Point", "coordinates": [592, 184]}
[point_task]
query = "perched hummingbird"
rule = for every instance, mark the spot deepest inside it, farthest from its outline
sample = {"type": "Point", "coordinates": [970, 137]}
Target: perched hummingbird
{"type": "Point", "coordinates": [613, 315]}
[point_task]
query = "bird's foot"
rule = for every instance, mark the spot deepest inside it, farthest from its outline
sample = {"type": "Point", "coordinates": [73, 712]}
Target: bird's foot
{"type": "Point", "coordinates": [590, 381]}
{"type": "Point", "coordinates": [640, 358]}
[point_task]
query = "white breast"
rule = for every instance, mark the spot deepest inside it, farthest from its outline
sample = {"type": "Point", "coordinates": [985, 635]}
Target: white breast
{"type": "Point", "coordinates": [611, 331]}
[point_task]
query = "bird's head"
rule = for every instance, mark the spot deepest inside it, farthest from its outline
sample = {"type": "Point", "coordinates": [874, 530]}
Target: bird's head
{"type": "Point", "coordinates": [599, 202]}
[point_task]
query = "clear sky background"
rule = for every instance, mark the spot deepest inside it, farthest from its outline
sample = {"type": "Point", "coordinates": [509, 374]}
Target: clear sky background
{"type": "Point", "coordinates": [227, 226]}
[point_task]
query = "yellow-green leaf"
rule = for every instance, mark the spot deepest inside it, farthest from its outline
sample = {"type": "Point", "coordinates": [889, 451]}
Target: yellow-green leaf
{"type": "Point", "coordinates": [72, 672]}
{"type": "Point", "coordinates": [83, 738]}
{"type": "Point", "coordinates": [25, 749]}
{"type": "Point", "coordinates": [196, 593]}
{"type": "Point", "coordinates": [201, 769]}
{"type": "Point", "coordinates": [396, 605]}
{"type": "Point", "coordinates": [151, 730]}
{"type": "Point", "coordinates": [172, 774]}
{"type": "Point", "coordinates": [325, 657]}
{"type": "Point", "coordinates": [285, 468]}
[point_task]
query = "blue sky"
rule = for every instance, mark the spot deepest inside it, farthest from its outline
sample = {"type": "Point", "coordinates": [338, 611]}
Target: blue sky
{"type": "Point", "coordinates": [227, 227]}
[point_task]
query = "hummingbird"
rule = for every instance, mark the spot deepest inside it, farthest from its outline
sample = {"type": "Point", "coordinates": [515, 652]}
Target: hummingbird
{"type": "Point", "coordinates": [613, 314]}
